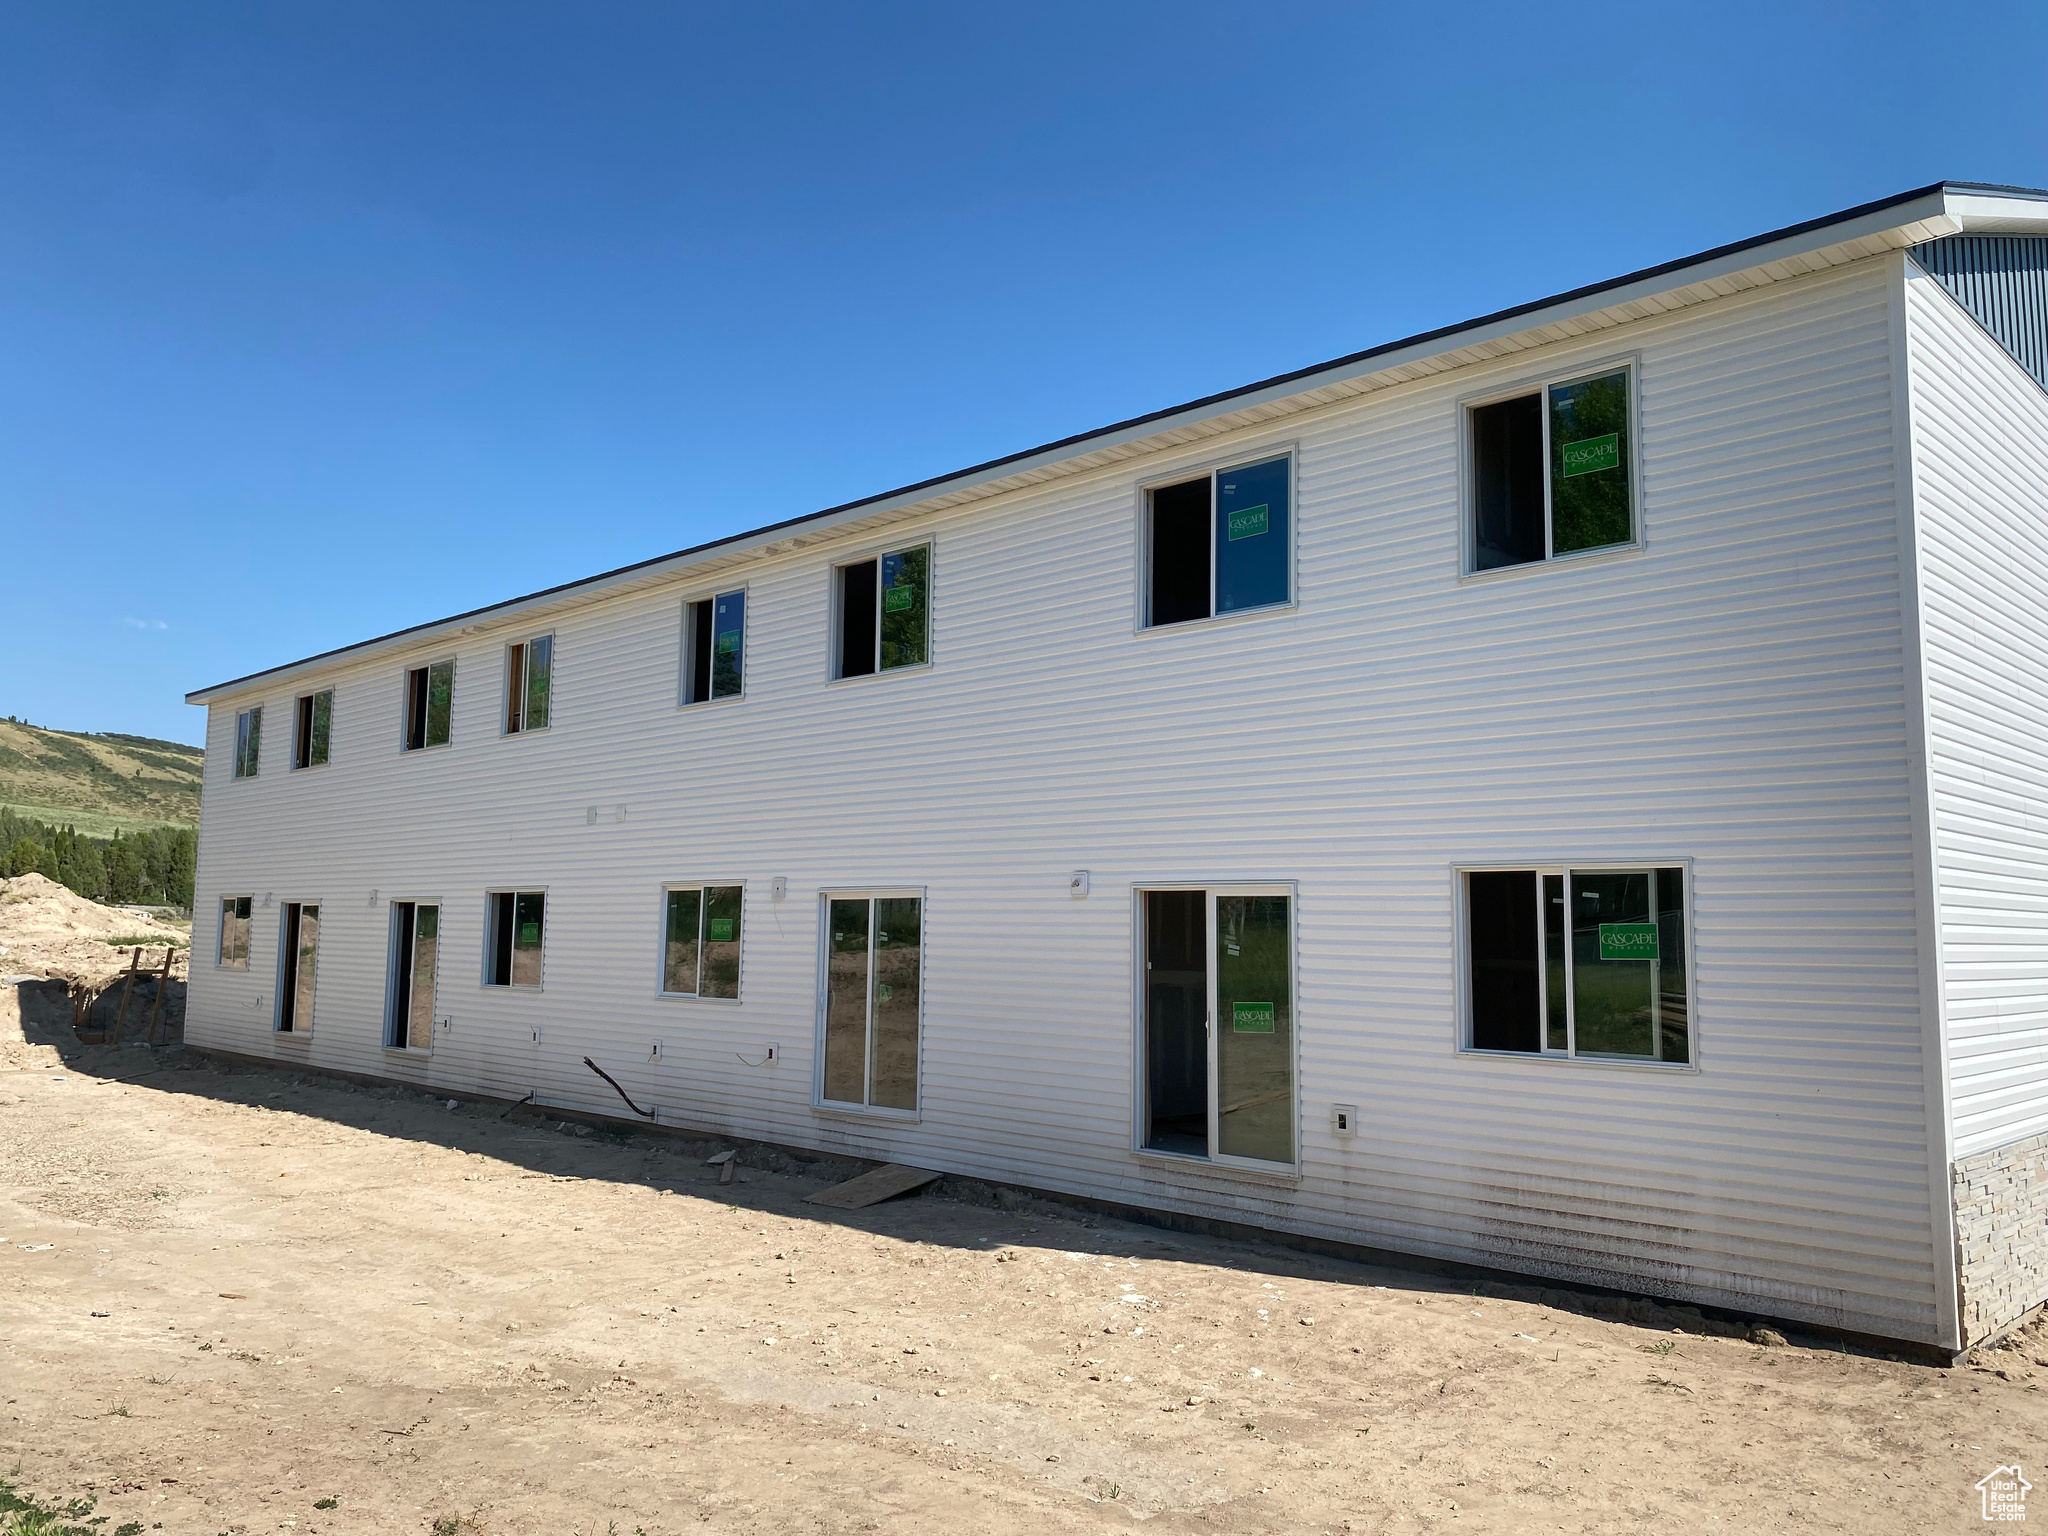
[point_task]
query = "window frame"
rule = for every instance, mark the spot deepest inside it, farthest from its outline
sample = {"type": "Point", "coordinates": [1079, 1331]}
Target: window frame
{"type": "Point", "coordinates": [491, 894]}
{"type": "Point", "coordinates": [1140, 1040]}
{"type": "Point", "coordinates": [703, 917]}
{"type": "Point", "coordinates": [392, 1024]}
{"type": "Point", "coordinates": [515, 693]}
{"type": "Point", "coordinates": [870, 894]}
{"type": "Point", "coordinates": [286, 967]}
{"type": "Point", "coordinates": [309, 704]}
{"type": "Point", "coordinates": [1540, 385]}
{"type": "Point", "coordinates": [1142, 624]}
{"type": "Point", "coordinates": [405, 676]}
{"type": "Point", "coordinates": [248, 735]}
{"type": "Point", "coordinates": [1462, 960]}
{"type": "Point", "coordinates": [835, 608]}
{"type": "Point", "coordinates": [686, 650]}
{"type": "Point", "coordinates": [220, 946]}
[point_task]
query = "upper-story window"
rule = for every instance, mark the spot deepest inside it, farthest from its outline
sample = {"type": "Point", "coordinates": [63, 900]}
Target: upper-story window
{"type": "Point", "coordinates": [1220, 543]}
{"type": "Point", "coordinates": [1553, 471]}
{"type": "Point", "coordinates": [248, 741]}
{"type": "Point", "coordinates": [529, 680]}
{"type": "Point", "coordinates": [312, 724]}
{"type": "Point", "coordinates": [715, 648]}
{"type": "Point", "coordinates": [429, 704]}
{"type": "Point", "coordinates": [884, 612]}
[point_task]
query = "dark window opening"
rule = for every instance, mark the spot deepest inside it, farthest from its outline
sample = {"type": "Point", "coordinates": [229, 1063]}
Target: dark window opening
{"type": "Point", "coordinates": [1506, 1010]}
{"type": "Point", "coordinates": [517, 920]}
{"type": "Point", "coordinates": [857, 602]}
{"type": "Point", "coordinates": [715, 638]}
{"type": "Point", "coordinates": [429, 704]}
{"type": "Point", "coordinates": [1176, 1022]}
{"type": "Point", "coordinates": [1507, 503]}
{"type": "Point", "coordinates": [1180, 552]}
{"type": "Point", "coordinates": [415, 963]}
{"type": "Point", "coordinates": [312, 728]}
{"type": "Point", "coordinates": [301, 951]}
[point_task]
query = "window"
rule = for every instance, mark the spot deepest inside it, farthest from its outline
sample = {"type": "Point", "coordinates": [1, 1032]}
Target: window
{"type": "Point", "coordinates": [297, 955]}
{"type": "Point", "coordinates": [1219, 544]}
{"type": "Point", "coordinates": [518, 919]}
{"type": "Point", "coordinates": [1553, 471]}
{"type": "Point", "coordinates": [873, 1001]}
{"type": "Point", "coordinates": [701, 948]}
{"type": "Point", "coordinates": [415, 965]}
{"type": "Point", "coordinates": [1578, 962]}
{"type": "Point", "coordinates": [529, 671]}
{"type": "Point", "coordinates": [248, 740]}
{"type": "Point", "coordinates": [714, 647]}
{"type": "Point", "coordinates": [234, 933]}
{"type": "Point", "coordinates": [313, 724]}
{"type": "Point", "coordinates": [885, 613]}
{"type": "Point", "coordinates": [429, 701]}
{"type": "Point", "coordinates": [1224, 1092]}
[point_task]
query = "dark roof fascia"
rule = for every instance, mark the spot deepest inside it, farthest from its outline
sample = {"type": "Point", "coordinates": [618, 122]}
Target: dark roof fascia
{"type": "Point", "coordinates": [1277, 384]}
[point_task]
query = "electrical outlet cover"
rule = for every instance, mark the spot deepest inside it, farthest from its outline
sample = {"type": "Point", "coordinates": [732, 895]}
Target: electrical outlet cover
{"type": "Point", "coordinates": [1344, 1119]}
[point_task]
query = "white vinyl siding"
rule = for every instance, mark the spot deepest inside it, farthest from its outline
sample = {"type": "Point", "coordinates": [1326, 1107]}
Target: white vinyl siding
{"type": "Point", "coordinates": [1735, 692]}
{"type": "Point", "coordinates": [1980, 427]}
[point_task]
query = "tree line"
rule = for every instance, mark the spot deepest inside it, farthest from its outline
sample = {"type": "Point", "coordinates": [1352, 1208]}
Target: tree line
{"type": "Point", "coordinates": [154, 866]}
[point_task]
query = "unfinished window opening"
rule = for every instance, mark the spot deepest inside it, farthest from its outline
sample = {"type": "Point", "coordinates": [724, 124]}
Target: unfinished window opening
{"type": "Point", "coordinates": [1579, 962]}
{"type": "Point", "coordinates": [429, 705]}
{"type": "Point", "coordinates": [248, 741]}
{"type": "Point", "coordinates": [1219, 1024]}
{"type": "Point", "coordinates": [1553, 471]}
{"type": "Point", "coordinates": [233, 952]}
{"type": "Point", "coordinates": [874, 946]}
{"type": "Point", "coordinates": [1220, 543]}
{"type": "Point", "coordinates": [514, 938]}
{"type": "Point", "coordinates": [415, 966]}
{"type": "Point", "coordinates": [529, 679]}
{"type": "Point", "coordinates": [297, 956]}
{"type": "Point", "coordinates": [714, 648]}
{"type": "Point", "coordinates": [884, 613]}
{"type": "Point", "coordinates": [312, 724]}
{"type": "Point", "coordinates": [701, 942]}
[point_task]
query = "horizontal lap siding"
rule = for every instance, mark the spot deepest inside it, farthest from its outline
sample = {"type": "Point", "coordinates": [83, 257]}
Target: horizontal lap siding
{"type": "Point", "coordinates": [1981, 484]}
{"type": "Point", "coordinates": [1732, 695]}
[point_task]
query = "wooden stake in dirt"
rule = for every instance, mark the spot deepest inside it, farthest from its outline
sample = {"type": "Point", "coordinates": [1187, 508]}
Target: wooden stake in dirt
{"type": "Point", "coordinates": [121, 1014]}
{"type": "Point", "coordinates": [163, 985]}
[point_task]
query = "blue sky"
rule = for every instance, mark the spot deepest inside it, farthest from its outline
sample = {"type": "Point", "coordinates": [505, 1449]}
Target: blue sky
{"type": "Point", "coordinates": [322, 320]}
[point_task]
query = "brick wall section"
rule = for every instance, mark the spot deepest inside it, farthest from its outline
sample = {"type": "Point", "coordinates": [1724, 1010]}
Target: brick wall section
{"type": "Point", "coordinates": [2002, 1235]}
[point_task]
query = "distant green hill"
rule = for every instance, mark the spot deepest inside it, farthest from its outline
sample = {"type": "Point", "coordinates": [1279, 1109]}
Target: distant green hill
{"type": "Point", "coordinates": [99, 784]}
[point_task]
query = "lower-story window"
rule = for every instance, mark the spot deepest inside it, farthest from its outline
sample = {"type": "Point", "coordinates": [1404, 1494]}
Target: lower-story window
{"type": "Point", "coordinates": [234, 933]}
{"type": "Point", "coordinates": [297, 955]}
{"type": "Point", "coordinates": [415, 963]}
{"type": "Point", "coordinates": [1219, 1023]}
{"type": "Point", "coordinates": [517, 929]}
{"type": "Point", "coordinates": [701, 942]}
{"type": "Point", "coordinates": [874, 992]}
{"type": "Point", "coordinates": [1578, 961]}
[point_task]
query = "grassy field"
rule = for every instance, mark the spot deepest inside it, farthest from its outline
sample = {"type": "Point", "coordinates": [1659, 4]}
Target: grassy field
{"type": "Point", "coordinates": [98, 784]}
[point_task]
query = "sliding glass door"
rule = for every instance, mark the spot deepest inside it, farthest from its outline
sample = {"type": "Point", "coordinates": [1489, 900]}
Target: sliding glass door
{"type": "Point", "coordinates": [873, 1001]}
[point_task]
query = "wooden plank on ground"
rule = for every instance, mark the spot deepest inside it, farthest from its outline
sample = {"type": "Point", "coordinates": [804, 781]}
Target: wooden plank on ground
{"type": "Point", "coordinates": [873, 1187]}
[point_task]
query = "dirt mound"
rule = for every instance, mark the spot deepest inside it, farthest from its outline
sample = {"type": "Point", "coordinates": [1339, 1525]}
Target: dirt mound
{"type": "Point", "coordinates": [48, 931]}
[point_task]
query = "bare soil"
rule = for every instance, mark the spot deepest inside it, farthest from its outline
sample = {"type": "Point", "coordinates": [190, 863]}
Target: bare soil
{"type": "Point", "coordinates": [56, 935]}
{"type": "Point", "coordinates": [230, 1295]}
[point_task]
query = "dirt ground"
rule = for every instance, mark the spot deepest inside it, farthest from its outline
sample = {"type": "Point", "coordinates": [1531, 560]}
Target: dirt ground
{"type": "Point", "coordinates": [229, 1295]}
{"type": "Point", "coordinates": [56, 942]}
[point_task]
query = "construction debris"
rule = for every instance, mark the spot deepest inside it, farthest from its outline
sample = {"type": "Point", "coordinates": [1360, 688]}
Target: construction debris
{"type": "Point", "coordinates": [873, 1187]}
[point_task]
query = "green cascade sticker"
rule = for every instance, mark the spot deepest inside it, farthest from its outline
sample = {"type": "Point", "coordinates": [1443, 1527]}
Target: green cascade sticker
{"type": "Point", "coordinates": [884, 992]}
{"type": "Point", "coordinates": [529, 933]}
{"type": "Point", "coordinates": [1592, 455]}
{"type": "Point", "coordinates": [896, 599]}
{"type": "Point", "coordinates": [1628, 941]}
{"type": "Point", "coordinates": [1251, 1018]}
{"type": "Point", "coordinates": [729, 640]}
{"type": "Point", "coordinates": [721, 930]}
{"type": "Point", "coordinates": [1248, 523]}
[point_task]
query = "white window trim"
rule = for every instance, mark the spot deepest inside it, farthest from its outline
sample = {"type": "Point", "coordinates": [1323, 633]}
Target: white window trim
{"type": "Point", "coordinates": [277, 1000]}
{"type": "Point", "coordinates": [505, 703]}
{"type": "Point", "coordinates": [220, 934]}
{"type": "Point", "coordinates": [1216, 1160]}
{"type": "Point", "coordinates": [547, 916]}
{"type": "Point", "coordinates": [833, 605]}
{"type": "Point", "coordinates": [1462, 960]}
{"type": "Point", "coordinates": [661, 943]}
{"type": "Point", "coordinates": [686, 649]}
{"type": "Point", "coordinates": [1540, 384]}
{"type": "Point", "coordinates": [1141, 606]}
{"type": "Point", "coordinates": [298, 699]}
{"type": "Point", "coordinates": [390, 977]}
{"type": "Point", "coordinates": [235, 760]}
{"type": "Point", "coordinates": [405, 705]}
{"type": "Point", "coordinates": [871, 893]}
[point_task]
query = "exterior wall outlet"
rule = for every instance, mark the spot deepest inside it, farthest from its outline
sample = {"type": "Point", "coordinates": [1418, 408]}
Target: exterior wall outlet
{"type": "Point", "coordinates": [774, 1054]}
{"type": "Point", "coordinates": [536, 1034]}
{"type": "Point", "coordinates": [654, 1050]}
{"type": "Point", "coordinates": [1077, 884]}
{"type": "Point", "coordinates": [1344, 1119]}
{"type": "Point", "coordinates": [778, 888]}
